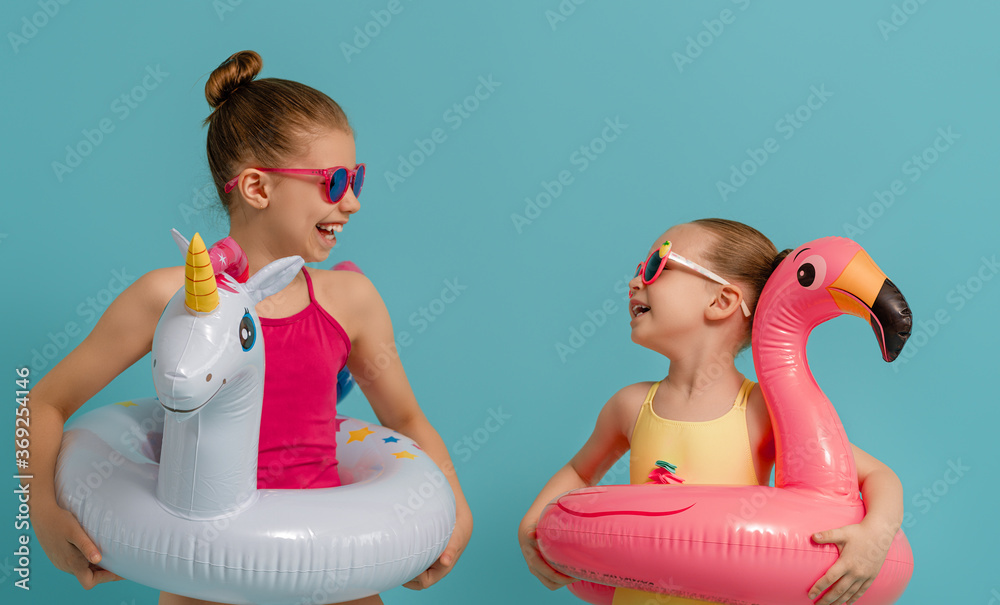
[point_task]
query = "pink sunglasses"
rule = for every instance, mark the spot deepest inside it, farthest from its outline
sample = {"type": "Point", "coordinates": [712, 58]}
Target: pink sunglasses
{"type": "Point", "coordinates": [651, 268]}
{"type": "Point", "coordinates": [336, 180]}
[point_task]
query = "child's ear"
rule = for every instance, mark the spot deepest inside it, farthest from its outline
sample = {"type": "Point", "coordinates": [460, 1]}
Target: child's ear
{"type": "Point", "coordinates": [725, 303]}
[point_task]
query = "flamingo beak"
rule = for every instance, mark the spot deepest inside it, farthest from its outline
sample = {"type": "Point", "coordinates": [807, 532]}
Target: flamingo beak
{"type": "Point", "coordinates": [862, 289]}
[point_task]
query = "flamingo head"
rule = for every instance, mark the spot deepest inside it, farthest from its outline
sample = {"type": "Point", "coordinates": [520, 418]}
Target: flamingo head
{"type": "Point", "coordinates": [829, 277]}
{"type": "Point", "coordinates": [207, 342]}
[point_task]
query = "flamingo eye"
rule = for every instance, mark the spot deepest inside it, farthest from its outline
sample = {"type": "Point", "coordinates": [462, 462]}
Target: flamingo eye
{"type": "Point", "coordinates": [811, 272]}
{"type": "Point", "coordinates": [806, 275]}
{"type": "Point", "coordinates": [248, 333]}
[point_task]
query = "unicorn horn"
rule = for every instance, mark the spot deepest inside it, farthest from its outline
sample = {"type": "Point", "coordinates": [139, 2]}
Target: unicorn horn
{"type": "Point", "coordinates": [200, 292]}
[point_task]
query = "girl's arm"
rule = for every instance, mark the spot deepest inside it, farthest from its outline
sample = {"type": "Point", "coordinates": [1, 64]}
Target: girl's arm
{"type": "Point", "coordinates": [121, 337]}
{"type": "Point", "coordinates": [375, 364]}
{"type": "Point", "coordinates": [863, 546]}
{"type": "Point", "coordinates": [606, 445]}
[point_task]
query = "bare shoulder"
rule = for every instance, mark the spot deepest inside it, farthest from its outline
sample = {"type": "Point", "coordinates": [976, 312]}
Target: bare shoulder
{"type": "Point", "coordinates": [122, 336]}
{"type": "Point", "coordinates": [159, 285]}
{"type": "Point", "coordinates": [350, 297]}
{"type": "Point", "coordinates": [624, 406]}
{"type": "Point", "coordinates": [758, 416]}
{"type": "Point", "coordinates": [761, 434]}
{"type": "Point", "coordinates": [139, 307]}
{"type": "Point", "coordinates": [350, 286]}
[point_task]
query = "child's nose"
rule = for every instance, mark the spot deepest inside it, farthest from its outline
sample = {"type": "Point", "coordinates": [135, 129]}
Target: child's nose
{"type": "Point", "coordinates": [634, 284]}
{"type": "Point", "coordinates": [349, 204]}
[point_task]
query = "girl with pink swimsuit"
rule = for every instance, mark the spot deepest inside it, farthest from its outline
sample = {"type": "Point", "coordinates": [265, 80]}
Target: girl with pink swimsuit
{"type": "Point", "coordinates": [282, 155]}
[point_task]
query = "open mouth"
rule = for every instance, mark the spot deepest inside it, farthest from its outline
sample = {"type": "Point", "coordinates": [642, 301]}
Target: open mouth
{"type": "Point", "coordinates": [637, 309]}
{"type": "Point", "coordinates": [329, 230]}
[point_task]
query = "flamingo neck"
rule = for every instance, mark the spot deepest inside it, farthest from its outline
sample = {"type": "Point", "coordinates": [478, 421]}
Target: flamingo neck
{"type": "Point", "coordinates": [812, 450]}
{"type": "Point", "coordinates": [208, 462]}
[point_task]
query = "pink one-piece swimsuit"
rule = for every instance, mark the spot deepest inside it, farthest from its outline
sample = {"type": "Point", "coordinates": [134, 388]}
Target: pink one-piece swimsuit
{"type": "Point", "coordinates": [303, 354]}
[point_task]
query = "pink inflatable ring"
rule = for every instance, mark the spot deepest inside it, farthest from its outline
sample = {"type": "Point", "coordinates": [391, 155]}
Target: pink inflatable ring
{"type": "Point", "coordinates": [751, 544]}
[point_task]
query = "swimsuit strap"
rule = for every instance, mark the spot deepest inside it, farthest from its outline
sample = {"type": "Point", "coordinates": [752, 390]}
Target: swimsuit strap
{"type": "Point", "coordinates": [744, 395]}
{"type": "Point", "coordinates": [741, 398]}
{"type": "Point", "coordinates": [649, 395]}
{"type": "Point", "coordinates": [312, 296]}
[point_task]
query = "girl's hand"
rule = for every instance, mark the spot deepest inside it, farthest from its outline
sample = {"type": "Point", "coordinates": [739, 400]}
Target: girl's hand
{"type": "Point", "coordinates": [456, 545]}
{"type": "Point", "coordinates": [863, 549]}
{"type": "Point", "coordinates": [69, 547]}
{"type": "Point", "coordinates": [551, 578]}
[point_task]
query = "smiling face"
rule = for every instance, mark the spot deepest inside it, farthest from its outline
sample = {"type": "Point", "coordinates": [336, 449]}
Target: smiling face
{"type": "Point", "coordinates": [288, 214]}
{"type": "Point", "coordinates": [671, 309]}
{"type": "Point", "coordinates": [302, 215]}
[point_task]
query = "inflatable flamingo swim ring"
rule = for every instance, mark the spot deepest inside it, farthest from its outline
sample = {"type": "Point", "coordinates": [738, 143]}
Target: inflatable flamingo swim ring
{"type": "Point", "coordinates": [750, 544]}
{"type": "Point", "coordinates": [167, 487]}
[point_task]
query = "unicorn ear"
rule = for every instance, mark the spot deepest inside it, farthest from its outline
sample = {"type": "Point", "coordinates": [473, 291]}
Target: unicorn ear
{"type": "Point", "coordinates": [273, 277]}
{"type": "Point", "coordinates": [181, 242]}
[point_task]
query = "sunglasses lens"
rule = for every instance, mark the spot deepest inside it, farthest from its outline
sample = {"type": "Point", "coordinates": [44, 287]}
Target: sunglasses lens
{"type": "Point", "coordinates": [359, 180]}
{"type": "Point", "coordinates": [652, 264]}
{"type": "Point", "coordinates": [338, 184]}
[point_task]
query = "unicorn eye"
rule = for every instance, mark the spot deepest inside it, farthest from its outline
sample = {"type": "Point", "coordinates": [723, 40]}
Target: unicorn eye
{"type": "Point", "coordinates": [248, 333]}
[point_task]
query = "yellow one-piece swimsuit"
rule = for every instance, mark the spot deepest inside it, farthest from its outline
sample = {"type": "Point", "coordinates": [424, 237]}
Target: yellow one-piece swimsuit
{"type": "Point", "coordinates": [715, 452]}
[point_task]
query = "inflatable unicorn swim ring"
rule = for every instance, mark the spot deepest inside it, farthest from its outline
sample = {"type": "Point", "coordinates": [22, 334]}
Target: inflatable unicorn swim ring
{"type": "Point", "coordinates": [707, 542]}
{"type": "Point", "coordinates": [167, 487]}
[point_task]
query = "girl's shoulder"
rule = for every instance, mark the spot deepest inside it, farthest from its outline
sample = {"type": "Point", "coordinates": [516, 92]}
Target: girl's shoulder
{"type": "Point", "coordinates": [633, 394]}
{"type": "Point", "coordinates": [156, 287]}
{"type": "Point", "coordinates": [757, 412]}
{"type": "Point", "coordinates": [349, 285]}
{"type": "Point", "coordinates": [760, 432]}
{"type": "Point", "coordinates": [350, 297]}
{"type": "Point", "coordinates": [624, 406]}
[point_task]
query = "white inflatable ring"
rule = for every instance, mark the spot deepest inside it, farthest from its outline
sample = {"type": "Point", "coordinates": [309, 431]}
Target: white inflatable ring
{"type": "Point", "coordinates": [387, 524]}
{"type": "Point", "coordinates": [167, 487]}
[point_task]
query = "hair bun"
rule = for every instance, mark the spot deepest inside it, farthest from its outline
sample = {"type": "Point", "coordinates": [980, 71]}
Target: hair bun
{"type": "Point", "coordinates": [779, 257]}
{"type": "Point", "coordinates": [239, 69]}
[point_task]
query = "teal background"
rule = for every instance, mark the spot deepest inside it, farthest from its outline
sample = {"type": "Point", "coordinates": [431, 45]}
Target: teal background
{"type": "Point", "coordinates": [495, 347]}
